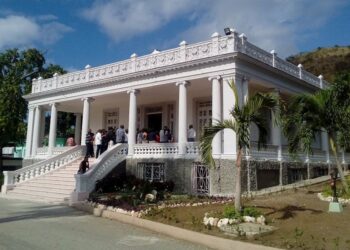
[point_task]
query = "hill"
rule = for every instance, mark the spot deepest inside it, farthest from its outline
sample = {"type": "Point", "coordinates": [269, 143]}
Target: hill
{"type": "Point", "coordinates": [324, 61]}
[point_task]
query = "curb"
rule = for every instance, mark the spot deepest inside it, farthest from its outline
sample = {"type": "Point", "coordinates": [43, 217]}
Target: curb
{"type": "Point", "coordinates": [174, 232]}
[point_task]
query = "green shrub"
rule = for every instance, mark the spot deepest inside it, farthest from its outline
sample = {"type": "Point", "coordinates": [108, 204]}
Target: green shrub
{"type": "Point", "coordinates": [251, 211]}
{"type": "Point", "coordinates": [231, 213]}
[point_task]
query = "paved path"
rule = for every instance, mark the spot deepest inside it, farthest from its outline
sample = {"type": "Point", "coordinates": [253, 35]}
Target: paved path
{"type": "Point", "coordinates": [27, 225]}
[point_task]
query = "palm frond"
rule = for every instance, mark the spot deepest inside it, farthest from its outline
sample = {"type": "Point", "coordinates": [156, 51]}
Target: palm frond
{"type": "Point", "coordinates": [208, 136]}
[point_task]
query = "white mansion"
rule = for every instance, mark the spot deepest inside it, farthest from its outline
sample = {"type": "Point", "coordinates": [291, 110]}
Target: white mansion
{"type": "Point", "coordinates": [175, 88]}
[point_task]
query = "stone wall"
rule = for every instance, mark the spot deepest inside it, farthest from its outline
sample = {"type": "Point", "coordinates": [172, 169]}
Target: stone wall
{"type": "Point", "coordinates": [222, 178]}
{"type": "Point", "coordinates": [176, 170]}
{"type": "Point", "coordinates": [256, 175]}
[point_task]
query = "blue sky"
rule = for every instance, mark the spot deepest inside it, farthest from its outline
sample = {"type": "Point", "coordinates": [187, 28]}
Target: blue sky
{"type": "Point", "coordinates": [74, 33]}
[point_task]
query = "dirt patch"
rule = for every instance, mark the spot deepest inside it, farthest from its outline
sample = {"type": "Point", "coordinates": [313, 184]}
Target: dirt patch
{"type": "Point", "coordinates": [303, 220]}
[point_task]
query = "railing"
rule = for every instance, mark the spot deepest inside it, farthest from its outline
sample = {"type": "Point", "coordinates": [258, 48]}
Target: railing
{"type": "Point", "coordinates": [151, 150]}
{"type": "Point", "coordinates": [24, 174]}
{"type": "Point", "coordinates": [42, 152]}
{"type": "Point", "coordinates": [192, 148]}
{"type": "Point", "coordinates": [184, 53]}
{"type": "Point", "coordinates": [85, 183]}
{"type": "Point", "coordinates": [270, 152]}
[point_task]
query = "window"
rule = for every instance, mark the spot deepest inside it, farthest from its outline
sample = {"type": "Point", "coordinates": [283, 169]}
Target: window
{"type": "Point", "coordinates": [151, 171]}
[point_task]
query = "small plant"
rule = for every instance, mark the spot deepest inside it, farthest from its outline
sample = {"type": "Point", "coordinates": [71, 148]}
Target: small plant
{"type": "Point", "coordinates": [251, 211]}
{"type": "Point", "coordinates": [298, 233]}
{"type": "Point", "coordinates": [231, 213]}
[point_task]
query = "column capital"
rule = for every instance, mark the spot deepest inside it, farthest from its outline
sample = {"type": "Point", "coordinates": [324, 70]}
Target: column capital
{"type": "Point", "coordinates": [185, 83]}
{"type": "Point", "coordinates": [54, 104]}
{"type": "Point", "coordinates": [133, 91]}
{"type": "Point", "coordinates": [89, 99]}
{"type": "Point", "coordinates": [211, 78]}
{"type": "Point", "coordinates": [31, 107]}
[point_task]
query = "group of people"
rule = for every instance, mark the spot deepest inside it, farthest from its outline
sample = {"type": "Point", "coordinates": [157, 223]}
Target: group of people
{"type": "Point", "coordinates": [103, 138]}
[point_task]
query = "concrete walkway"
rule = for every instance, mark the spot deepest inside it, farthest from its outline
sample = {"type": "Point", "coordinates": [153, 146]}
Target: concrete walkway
{"type": "Point", "coordinates": [27, 225]}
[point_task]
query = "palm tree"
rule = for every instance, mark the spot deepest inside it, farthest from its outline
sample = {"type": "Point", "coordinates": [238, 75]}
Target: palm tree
{"type": "Point", "coordinates": [327, 110]}
{"type": "Point", "coordinates": [251, 112]}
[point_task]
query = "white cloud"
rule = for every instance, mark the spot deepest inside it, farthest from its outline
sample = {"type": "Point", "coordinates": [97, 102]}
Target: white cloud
{"type": "Point", "coordinates": [123, 19]}
{"type": "Point", "coordinates": [271, 24]}
{"type": "Point", "coordinates": [21, 31]}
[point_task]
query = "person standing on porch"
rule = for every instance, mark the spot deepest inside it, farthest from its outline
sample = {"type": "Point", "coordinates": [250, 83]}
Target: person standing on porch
{"type": "Point", "coordinates": [191, 134]}
{"type": "Point", "coordinates": [120, 134]}
{"type": "Point", "coordinates": [98, 143]}
{"type": "Point", "coordinates": [89, 139]}
{"type": "Point", "coordinates": [163, 137]}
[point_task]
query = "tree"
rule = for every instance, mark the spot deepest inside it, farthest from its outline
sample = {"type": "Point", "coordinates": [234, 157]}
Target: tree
{"type": "Point", "coordinates": [17, 69]}
{"type": "Point", "coordinates": [327, 110]}
{"type": "Point", "coordinates": [251, 112]}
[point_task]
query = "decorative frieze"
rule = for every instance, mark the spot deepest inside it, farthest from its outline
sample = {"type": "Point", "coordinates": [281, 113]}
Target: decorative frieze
{"type": "Point", "coordinates": [184, 53]}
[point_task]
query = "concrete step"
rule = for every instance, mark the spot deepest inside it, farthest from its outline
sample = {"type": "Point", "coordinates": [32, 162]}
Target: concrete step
{"type": "Point", "coordinates": [53, 190]}
{"type": "Point", "coordinates": [42, 193]}
{"type": "Point", "coordinates": [28, 197]}
{"type": "Point", "coordinates": [70, 186]}
{"type": "Point", "coordinates": [54, 181]}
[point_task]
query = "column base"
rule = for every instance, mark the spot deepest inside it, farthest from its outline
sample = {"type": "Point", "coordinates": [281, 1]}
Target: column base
{"type": "Point", "coordinates": [335, 207]}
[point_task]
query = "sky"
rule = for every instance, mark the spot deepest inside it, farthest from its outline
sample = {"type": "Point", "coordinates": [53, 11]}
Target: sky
{"type": "Point", "coordinates": [74, 33]}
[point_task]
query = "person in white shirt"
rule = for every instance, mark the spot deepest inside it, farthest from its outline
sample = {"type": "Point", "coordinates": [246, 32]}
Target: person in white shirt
{"type": "Point", "coordinates": [98, 143]}
{"type": "Point", "coordinates": [191, 134]}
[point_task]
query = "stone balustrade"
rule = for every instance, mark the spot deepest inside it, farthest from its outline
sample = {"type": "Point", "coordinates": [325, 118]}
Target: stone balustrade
{"type": "Point", "coordinates": [43, 152]}
{"type": "Point", "coordinates": [151, 150]}
{"type": "Point", "coordinates": [184, 53]}
{"type": "Point", "coordinates": [24, 174]}
{"type": "Point", "coordinates": [85, 183]}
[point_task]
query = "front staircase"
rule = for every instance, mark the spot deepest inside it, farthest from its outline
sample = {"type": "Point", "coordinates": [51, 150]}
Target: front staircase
{"type": "Point", "coordinates": [53, 187]}
{"type": "Point", "coordinates": [54, 180]}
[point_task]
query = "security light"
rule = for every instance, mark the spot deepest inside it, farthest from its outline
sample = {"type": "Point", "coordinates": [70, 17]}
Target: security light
{"type": "Point", "coordinates": [228, 31]}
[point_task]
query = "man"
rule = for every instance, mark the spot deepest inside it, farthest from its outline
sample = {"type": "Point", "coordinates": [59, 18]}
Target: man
{"type": "Point", "coordinates": [120, 134]}
{"type": "Point", "coordinates": [98, 143]}
{"type": "Point", "coordinates": [191, 134]}
{"type": "Point", "coordinates": [163, 135]}
{"type": "Point", "coordinates": [89, 139]}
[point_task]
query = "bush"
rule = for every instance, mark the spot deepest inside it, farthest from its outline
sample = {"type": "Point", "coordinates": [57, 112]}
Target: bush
{"type": "Point", "coordinates": [231, 213]}
{"type": "Point", "coordinates": [251, 211]}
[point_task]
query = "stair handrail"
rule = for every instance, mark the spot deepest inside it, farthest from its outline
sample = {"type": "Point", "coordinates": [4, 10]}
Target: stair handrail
{"type": "Point", "coordinates": [85, 183]}
{"type": "Point", "coordinates": [11, 178]}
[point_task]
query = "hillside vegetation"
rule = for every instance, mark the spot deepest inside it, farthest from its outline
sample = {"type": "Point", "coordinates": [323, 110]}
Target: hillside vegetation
{"type": "Point", "coordinates": [324, 61]}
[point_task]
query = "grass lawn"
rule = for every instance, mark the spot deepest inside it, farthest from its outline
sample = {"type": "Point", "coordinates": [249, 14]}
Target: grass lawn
{"type": "Point", "coordinates": [303, 220]}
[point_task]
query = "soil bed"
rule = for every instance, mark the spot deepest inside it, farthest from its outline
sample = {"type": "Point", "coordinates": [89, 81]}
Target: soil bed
{"type": "Point", "coordinates": [303, 220]}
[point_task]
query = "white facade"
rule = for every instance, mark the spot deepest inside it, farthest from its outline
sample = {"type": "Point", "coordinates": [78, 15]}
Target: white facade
{"type": "Point", "coordinates": [175, 88]}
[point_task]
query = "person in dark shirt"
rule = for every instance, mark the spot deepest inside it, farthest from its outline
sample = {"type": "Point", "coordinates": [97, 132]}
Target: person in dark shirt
{"type": "Point", "coordinates": [89, 140]}
{"type": "Point", "coordinates": [84, 165]}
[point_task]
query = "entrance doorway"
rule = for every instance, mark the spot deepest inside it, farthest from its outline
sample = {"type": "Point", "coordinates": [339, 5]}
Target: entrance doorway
{"type": "Point", "coordinates": [155, 121]}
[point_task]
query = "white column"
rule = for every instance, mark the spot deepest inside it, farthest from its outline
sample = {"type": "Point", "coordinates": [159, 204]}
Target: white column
{"type": "Point", "coordinates": [53, 128]}
{"type": "Point", "coordinates": [86, 116]}
{"type": "Point", "coordinates": [216, 113]}
{"type": "Point", "coordinates": [228, 98]}
{"type": "Point", "coordinates": [276, 134]}
{"type": "Point", "coordinates": [182, 118]}
{"type": "Point", "coordinates": [77, 128]}
{"type": "Point", "coordinates": [36, 130]}
{"type": "Point", "coordinates": [29, 139]}
{"type": "Point", "coordinates": [325, 144]}
{"type": "Point", "coordinates": [276, 137]}
{"type": "Point", "coordinates": [42, 126]}
{"type": "Point", "coordinates": [132, 121]}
